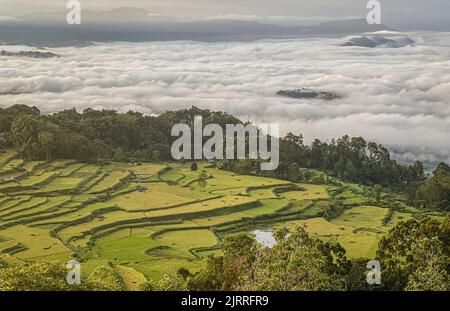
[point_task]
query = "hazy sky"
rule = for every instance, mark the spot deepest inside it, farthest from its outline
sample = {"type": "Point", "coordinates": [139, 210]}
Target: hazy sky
{"type": "Point", "coordinates": [409, 14]}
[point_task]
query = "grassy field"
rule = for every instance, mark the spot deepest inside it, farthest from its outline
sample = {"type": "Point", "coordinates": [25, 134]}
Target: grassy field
{"type": "Point", "coordinates": [148, 219]}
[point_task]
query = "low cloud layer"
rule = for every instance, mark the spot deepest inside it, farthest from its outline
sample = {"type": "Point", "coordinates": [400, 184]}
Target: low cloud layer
{"type": "Point", "coordinates": [397, 97]}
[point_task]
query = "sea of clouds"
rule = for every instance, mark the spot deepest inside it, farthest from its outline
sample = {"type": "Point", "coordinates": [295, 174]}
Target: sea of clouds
{"type": "Point", "coordinates": [399, 97]}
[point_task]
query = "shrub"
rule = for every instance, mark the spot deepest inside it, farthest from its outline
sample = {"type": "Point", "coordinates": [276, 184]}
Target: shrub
{"type": "Point", "coordinates": [166, 284]}
{"type": "Point", "coordinates": [194, 166]}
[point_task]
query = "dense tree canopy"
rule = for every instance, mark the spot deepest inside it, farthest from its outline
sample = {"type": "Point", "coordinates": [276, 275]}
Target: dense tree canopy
{"type": "Point", "coordinates": [94, 135]}
{"type": "Point", "coordinates": [296, 262]}
{"type": "Point", "coordinates": [415, 255]}
{"type": "Point", "coordinates": [435, 192]}
{"type": "Point", "coordinates": [51, 276]}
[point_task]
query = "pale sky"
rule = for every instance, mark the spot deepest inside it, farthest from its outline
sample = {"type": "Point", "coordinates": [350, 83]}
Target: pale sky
{"type": "Point", "coordinates": [410, 14]}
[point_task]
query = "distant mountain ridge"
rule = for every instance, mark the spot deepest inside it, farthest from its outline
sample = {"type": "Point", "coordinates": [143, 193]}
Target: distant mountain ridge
{"type": "Point", "coordinates": [119, 15]}
{"type": "Point", "coordinates": [139, 25]}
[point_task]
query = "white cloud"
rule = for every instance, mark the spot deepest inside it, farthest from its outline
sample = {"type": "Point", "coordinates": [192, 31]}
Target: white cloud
{"type": "Point", "coordinates": [397, 97]}
{"type": "Point", "coordinates": [8, 19]}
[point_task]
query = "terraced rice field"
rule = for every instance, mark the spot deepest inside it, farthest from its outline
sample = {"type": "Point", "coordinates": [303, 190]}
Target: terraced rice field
{"type": "Point", "coordinates": [151, 219]}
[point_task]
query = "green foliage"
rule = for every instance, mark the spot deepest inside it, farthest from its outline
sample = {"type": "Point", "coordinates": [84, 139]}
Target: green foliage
{"type": "Point", "coordinates": [210, 278]}
{"type": "Point", "coordinates": [403, 253]}
{"type": "Point", "coordinates": [100, 208]}
{"type": "Point", "coordinates": [431, 261]}
{"type": "Point", "coordinates": [165, 284]}
{"type": "Point", "coordinates": [156, 156]}
{"type": "Point", "coordinates": [333, 210]}
{"type": "Point", "coordinates": [7, 117]}
{"type": "Point", "coordinates": [51, 276]}
{"type": "Point", "coordinates": [35, 277]}
{"type": "Point", "coordinates": [118, 154]}
{"type": "Point", "coordinates": [194, 166]}
{"type": "Point", "coordinates": [202, 179]}
{"type": "Point", "coordinates": [184, 273]}
{"type": "Point", "coordinates": [93, 135]}
{"type": "Point", "coordinates": [293, 173]}
{"type": "Point", "coordinates": [352, 159]}
{"type": "Point", "coordinates": [388, 217]}
{"type": "Point", "coordinates": [296, 262]}
{"type": "Point", "coordinates": [411, 193]}
{"type": "Point", "coordinates": [377, 191]}
{"type": "Point", "coordinates": [104, 279]}
{"type": "Point", "coordinates": [435, 192]}
{"type": "Point", "coordinates": [3, 264]}
{"type": "Point", "coordinates": [357, 276]}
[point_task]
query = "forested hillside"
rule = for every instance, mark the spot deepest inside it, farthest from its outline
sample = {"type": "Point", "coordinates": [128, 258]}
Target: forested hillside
{"type": "Point", "coordinates": [101, 187]}
{"type": "Point", "coordinates": [94, 136]}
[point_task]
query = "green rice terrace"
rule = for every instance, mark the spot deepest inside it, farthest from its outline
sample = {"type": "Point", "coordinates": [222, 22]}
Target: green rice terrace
{"type": "Point", "coordinates": [147, 219]}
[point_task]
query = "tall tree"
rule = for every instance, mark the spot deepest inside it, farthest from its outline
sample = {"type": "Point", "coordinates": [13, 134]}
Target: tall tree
{"type": "Point", "coordinates": [293, 173]}
{"type": "Point", "coordinates": [401, 256]}
{"type": "Point", "coordinates": [25, 131]}
{"type": "Point", "coordinates": [432, 264]}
